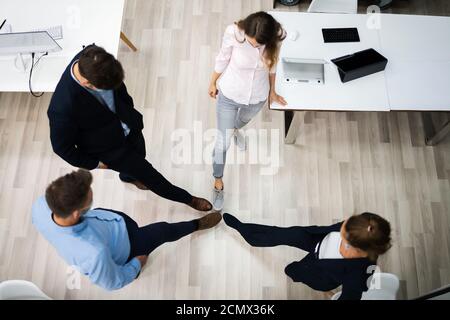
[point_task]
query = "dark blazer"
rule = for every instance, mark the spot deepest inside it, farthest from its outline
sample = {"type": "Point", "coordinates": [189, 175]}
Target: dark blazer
{"type": "Point", "coordinates": [328, 274]}
{"type": "Point", "coordinates": [81, 126]}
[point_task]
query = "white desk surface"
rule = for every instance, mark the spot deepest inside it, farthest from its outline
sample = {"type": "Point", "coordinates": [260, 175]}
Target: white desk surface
{"type": "Point", "coordinates": [415, 37]}
{"type": "Point", "coordinates": [418, 72]}
{"type": "Point", "coordinates": [417, 76]}
{"type": "Point", "coordinates": [84, 22]}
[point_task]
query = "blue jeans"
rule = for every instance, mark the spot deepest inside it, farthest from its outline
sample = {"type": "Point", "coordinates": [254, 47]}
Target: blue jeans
{"type": "Point", "coordinates": [230, 116]}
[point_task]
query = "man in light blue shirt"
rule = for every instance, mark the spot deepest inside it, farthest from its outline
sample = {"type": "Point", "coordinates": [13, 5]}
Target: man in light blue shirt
{"type": "Point", "coordinates": [105, 245]}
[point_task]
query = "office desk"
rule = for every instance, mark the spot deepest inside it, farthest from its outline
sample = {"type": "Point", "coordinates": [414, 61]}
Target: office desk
{"type": "Point", "coordinates": [84, 22]}
{"type": "Point", "coordinates": [416, 78]}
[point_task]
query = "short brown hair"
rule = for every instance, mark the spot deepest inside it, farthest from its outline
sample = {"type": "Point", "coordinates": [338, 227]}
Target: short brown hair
{"type": "Point", "coordinates": [370, 233]}
{"type": "Point", "coordinates": [68, 193]}
{"type": "Point", "coordinates": [100, 68]}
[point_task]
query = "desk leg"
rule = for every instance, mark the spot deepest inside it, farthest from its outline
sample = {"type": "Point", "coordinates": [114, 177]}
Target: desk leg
{"type": "Point", "coordinates": [292, 122]}
{"type": "Point", "coordinates": [432, 137]}
{"type": "Point", "coordinates": [127, 41]}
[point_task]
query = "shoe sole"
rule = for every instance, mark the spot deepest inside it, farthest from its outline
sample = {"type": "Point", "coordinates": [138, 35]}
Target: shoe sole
{"type": "Point", "coordinates": [214, 224]}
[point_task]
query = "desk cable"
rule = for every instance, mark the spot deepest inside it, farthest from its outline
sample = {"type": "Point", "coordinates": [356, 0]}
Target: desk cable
{"type": "Point", "coordinates": [33, 65]}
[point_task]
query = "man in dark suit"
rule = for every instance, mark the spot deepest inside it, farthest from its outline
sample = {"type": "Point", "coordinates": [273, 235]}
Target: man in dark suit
{"type": "Point", "coordinates": [93, 124]}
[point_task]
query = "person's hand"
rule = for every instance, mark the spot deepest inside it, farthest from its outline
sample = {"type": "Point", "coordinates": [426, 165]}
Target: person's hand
{"type": "Point", "coordinates": [103, 166]}
{"type": "Point", "coordinates": [142, 260]}
{"type": "Point", "coordinates": [275, 98]}
{"type": "Point", "coordinates": [212, 91]}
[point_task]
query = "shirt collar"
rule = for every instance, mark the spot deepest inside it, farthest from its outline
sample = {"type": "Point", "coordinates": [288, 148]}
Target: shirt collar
{"type": "Point", "coordinates": [72, 74]}
{"type": "Point", "coordinates": [69, 230]}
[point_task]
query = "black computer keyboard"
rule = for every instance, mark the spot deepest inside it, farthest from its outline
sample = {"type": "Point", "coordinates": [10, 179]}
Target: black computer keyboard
{"type": "Point", "coordinates": [340, 35]}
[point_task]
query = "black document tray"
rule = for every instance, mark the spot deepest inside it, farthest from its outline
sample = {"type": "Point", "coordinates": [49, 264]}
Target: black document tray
{"type": "Point", "coordinates": [360, 64]}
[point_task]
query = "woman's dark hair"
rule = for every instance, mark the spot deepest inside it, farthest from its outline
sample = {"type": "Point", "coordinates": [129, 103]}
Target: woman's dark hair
{"type": "Point", "coordinates": [68, 193]}
{"type": "Point", "coordinates": [370, 233]}
{"type": "Point", "coordinates": [100, 68]}
{"type": "Point", "coordinates": [266, 31]}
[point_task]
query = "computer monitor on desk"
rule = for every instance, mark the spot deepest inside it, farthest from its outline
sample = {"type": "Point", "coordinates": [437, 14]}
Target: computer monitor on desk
{"type": "Point", "coordinates": [22, 43]}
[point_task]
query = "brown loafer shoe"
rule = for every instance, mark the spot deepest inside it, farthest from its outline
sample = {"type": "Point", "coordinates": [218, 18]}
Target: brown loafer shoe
{"type": "Point", "coordinates": [209, 221]}
{"type": "Point", "coordinates": [200, 204]}
{"type": "Point", "coordinates": [138, 185]}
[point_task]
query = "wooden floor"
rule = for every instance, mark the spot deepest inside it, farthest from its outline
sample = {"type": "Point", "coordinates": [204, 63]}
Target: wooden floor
{"type": "Point", "coordinates": [342, 163]}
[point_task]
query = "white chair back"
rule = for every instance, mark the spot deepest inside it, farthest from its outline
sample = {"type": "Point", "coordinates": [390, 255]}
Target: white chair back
{"type": "Point", "coordinates": [21, 290]}
{"type": "Point", "coordinates": [383, 286]}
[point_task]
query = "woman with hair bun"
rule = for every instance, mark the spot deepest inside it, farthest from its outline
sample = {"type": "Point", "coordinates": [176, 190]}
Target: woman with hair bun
{"type": "Point", "coordinates": [341, 254]}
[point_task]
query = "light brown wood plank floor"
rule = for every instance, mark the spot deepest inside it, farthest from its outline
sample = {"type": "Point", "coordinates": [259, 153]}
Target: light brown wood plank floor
{"type": "Point", "coordinates": [342, 163]}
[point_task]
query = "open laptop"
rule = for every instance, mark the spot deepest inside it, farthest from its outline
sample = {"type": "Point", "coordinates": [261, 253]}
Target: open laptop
{"type": "Point", "coordinates": [297, 70]}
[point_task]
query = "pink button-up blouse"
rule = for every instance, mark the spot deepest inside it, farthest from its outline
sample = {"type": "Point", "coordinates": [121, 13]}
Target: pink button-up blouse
{"type": "Point", "coordinates": [245, 76]}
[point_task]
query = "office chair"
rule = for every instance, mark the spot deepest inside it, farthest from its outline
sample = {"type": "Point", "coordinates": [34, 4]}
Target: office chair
{"type": "Point", "coordinates": [385, 287]}
{"type": "Point", "coordinates": [334, 6]}
{"type": "Point", "coordinates": [21, 290]}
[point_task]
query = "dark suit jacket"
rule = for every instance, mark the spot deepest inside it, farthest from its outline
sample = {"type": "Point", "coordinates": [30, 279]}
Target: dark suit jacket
{"type": "Point", "coordinates": [328, 274]}
{"type": "Point", "coordinates": [81, 126]}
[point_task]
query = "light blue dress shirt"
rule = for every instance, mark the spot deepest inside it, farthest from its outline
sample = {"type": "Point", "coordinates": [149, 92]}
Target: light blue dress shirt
{"type": "Point", "coordinates": [98, 246]}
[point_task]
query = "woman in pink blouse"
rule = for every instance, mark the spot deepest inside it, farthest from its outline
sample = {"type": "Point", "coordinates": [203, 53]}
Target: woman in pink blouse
{"type": "Point", "coordinates": [243, 80]}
